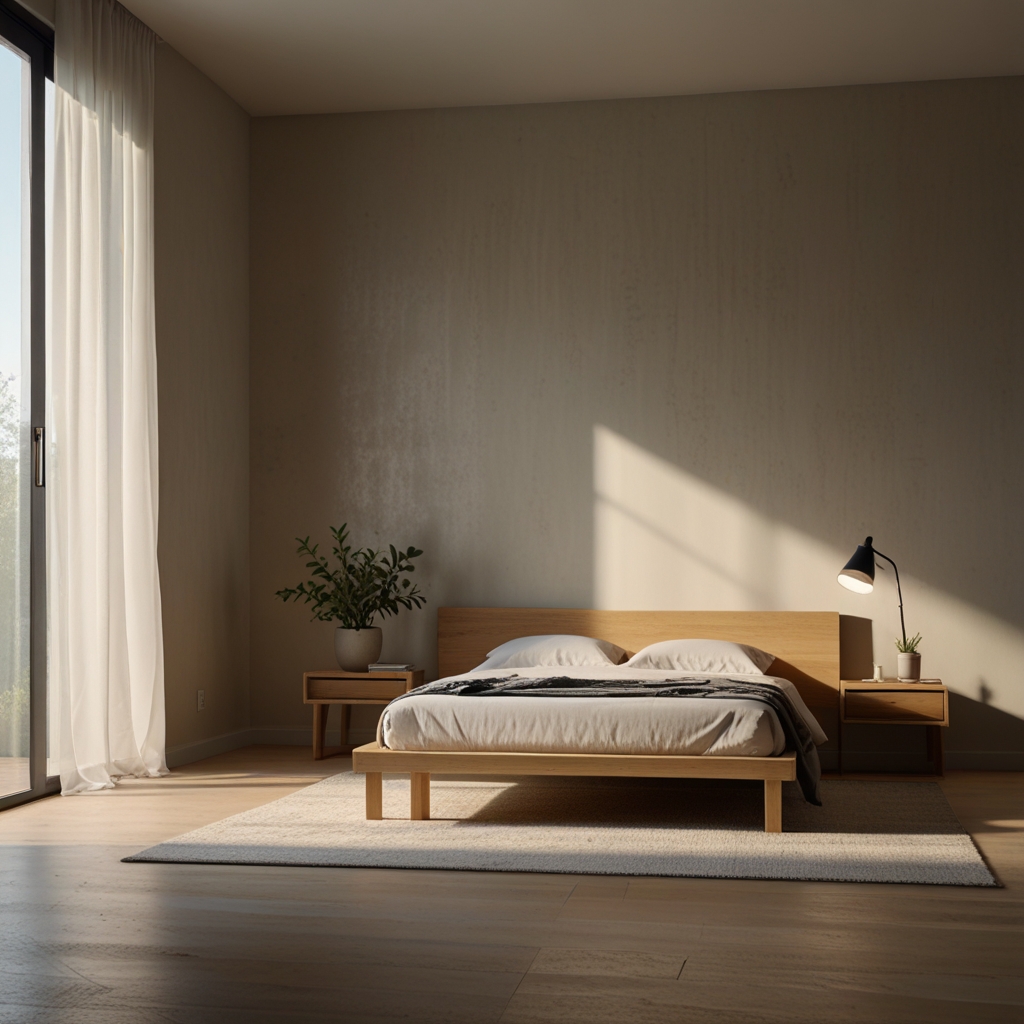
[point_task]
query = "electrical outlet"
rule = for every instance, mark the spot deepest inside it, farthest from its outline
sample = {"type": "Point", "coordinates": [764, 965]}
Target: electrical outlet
{"type": "Point", "coordinates": [200, 700]}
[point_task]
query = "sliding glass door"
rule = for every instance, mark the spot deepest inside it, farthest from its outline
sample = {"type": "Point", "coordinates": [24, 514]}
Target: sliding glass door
{"type": "Point", "coordinates": [24, 60]}
{"type": "Point", "coordinates": [15, 421]}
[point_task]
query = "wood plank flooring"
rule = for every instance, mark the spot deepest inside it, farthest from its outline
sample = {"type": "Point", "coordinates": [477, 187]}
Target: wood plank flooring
{"type": "Point", "coordinates": [85, 939]}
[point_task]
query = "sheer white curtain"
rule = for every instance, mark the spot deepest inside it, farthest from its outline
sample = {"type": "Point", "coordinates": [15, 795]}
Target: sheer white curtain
{"type": "Point", "coordinates": [106, 646]}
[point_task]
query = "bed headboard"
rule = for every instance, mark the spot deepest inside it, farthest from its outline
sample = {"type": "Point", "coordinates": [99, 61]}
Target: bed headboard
{"type": "Point", "coordinates": [805, 644]}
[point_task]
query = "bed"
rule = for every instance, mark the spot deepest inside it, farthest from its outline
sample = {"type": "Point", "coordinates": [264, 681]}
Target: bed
{"type": "Point", "coordinates": [506, 736]}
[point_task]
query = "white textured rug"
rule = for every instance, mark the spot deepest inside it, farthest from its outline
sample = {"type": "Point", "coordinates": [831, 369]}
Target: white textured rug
{"type": "Point", "coordinates": [865, 832]}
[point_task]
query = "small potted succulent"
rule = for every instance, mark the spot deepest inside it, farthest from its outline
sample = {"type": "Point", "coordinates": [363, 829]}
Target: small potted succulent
{"type": "Point", "coordinates": [367, 583]}
{"type": "Point", "coordinates": [908, 661]}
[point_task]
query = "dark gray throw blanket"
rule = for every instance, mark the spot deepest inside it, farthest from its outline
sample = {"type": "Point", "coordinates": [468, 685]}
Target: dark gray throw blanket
{"type": "Point", "coordinates": [798, 736]}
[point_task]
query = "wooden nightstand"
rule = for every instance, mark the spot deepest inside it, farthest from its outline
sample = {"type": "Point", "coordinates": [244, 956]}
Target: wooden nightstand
{"type": "Point", "coordinates": [332, 686]}
{"type": "Point", "coordinates": [894, 703]}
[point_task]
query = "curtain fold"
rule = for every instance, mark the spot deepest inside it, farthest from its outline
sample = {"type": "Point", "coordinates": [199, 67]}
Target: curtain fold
{"type": "Point", "coordinates": [106, 643]}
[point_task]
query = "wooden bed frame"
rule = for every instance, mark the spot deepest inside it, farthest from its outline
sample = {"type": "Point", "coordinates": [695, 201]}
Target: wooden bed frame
{"type": "Point", "coordinates": [806, 649]}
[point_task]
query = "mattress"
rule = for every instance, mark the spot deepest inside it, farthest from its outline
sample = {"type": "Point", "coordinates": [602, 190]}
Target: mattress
{"type": "Point", "coordinates": [591, 725]}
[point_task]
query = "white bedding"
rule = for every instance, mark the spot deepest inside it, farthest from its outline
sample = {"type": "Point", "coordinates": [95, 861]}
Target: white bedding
{"type": "Point", "coordinates": [591, 725]}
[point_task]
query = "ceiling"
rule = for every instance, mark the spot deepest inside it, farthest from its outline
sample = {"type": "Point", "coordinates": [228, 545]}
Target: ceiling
{"type": "Point", "coordinates": [322, 56]}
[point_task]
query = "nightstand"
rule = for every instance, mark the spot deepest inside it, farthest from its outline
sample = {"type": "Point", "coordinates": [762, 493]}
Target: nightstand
{"type": "Point", "coordinates": [332, 686]}
{"type": "Point", "coordinates": [892, 702]}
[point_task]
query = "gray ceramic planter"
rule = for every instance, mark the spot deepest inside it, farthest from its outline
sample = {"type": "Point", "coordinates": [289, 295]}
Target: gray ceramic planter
{"type": "Point", "coordinates": [357, 649]}
{"type": "Point", "coordinates": [908, 667]}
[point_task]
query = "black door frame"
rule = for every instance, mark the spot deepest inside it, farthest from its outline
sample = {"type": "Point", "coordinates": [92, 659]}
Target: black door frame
{"type": "Point", "coordinates": [35, 41]}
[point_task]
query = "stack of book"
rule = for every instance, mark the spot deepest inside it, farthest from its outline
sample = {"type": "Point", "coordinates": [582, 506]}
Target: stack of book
{"type": "Point", "coordinates": [391, 666]}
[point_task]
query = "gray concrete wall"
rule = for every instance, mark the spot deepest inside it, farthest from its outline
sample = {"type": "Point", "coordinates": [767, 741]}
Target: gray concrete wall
{"type": "Point", "coordinates": [661, 353]}
{"type": "Point", "coordinates": [202, 333]}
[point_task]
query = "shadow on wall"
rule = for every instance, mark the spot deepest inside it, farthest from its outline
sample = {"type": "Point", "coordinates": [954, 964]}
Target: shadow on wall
{"type": "Point", "coordinates": [978, 727]}
{"type": "Point", "coordinates": [665, 539]}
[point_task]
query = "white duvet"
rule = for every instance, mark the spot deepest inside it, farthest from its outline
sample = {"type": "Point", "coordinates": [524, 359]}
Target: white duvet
{"type": "Point", "coordinates": [591, 725]}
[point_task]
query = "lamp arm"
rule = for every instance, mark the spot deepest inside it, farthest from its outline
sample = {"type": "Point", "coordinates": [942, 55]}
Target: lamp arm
{"type": "Point", "coordinates": [899, 590]}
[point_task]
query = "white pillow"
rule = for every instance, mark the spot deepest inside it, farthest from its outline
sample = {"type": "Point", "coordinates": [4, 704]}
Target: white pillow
{"type": "Point", "coordinates": [556, 649]}
{"type": "Point", "coordinates": [703, 656]}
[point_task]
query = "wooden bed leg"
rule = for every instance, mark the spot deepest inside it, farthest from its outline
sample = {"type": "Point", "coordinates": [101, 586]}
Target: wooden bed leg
{"type": "Point", "coordinates": [420, 796]}
{"type": "Point", "coordinates": [374, 796]}
{"type": "Point", "coordinates": [773, 805]}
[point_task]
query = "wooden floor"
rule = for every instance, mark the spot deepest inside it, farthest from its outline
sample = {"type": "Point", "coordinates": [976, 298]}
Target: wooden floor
{"type": "Point", "coordinates": [89, 940]}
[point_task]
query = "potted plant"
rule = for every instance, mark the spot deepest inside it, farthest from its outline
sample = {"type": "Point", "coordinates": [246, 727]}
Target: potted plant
{"type": "Point", "coordinates": [908, 661]}
{"type": "Point", "coordinates": [368, 583]}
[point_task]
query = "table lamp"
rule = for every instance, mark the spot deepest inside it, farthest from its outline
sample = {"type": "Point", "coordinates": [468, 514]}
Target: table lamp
{"type": "Point", "coordinates": [858, 575]}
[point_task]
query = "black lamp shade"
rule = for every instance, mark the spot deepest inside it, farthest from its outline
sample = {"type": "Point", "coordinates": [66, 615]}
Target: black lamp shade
{"type": "Point", "coordinates": [858, 574]}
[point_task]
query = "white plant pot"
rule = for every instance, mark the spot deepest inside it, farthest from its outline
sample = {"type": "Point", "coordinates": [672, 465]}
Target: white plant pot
{"type": "Point", "coordinates": [357, 649]}
{"type": "Point", "coordinates": [908, 667]}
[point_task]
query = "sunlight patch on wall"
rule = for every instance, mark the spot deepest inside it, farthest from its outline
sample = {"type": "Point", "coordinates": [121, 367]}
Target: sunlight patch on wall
{"type": "Point", "coordinates": [664, 539]}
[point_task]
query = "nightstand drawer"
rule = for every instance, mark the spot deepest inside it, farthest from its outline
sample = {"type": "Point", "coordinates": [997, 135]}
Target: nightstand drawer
{"type": "Point", "coordinates": [895, 705]}
{"type": "Point", "coordinates": [325, 688]}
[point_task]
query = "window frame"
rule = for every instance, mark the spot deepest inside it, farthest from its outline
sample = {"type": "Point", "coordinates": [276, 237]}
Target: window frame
{"type": "Point", "coordinates": [34, 39]}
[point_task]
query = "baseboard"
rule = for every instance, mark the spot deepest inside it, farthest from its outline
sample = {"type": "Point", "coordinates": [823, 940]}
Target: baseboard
{"type": "Point", "coordinates": [900, 762]}
{"type": "Point", "coordinates": [187, 753]}
{"type": "Point", "coordinates": [304, 737]}
{"type": "Point", "coordinates": [908, 762]}
{"type": "Point", "coordinates": [894, 761]}
{"type": "Point", "coordinates": [985, 760]}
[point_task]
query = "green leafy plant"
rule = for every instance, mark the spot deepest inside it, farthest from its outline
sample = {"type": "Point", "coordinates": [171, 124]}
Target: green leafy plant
{"type": "Point", "coordinates": [368, 583]}
{"type": "Point", "coordinates": [908, 645]}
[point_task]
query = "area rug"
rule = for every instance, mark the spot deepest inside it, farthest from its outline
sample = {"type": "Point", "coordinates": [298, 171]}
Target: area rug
{"type": "Point", "coordinates": [864, 832]}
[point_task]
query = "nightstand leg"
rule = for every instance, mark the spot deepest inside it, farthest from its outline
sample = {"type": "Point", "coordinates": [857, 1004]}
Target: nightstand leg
{"type": "Point", "coordinates": [346, 718]}
{"type": "Point", "coordinates": [420, 796]}
{"type": "Point", "coordinates": [935, 752]}
{"type": "Point", "coordinates": [319, 730]}
{"type": "Point", "coordinates": [374, 796]}
{"type": "Point", "coordinates": [773, 805]}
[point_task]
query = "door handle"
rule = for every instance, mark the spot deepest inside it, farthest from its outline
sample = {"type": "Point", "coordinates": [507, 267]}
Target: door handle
{"type": "Point", "coordinates": [38, 456]}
